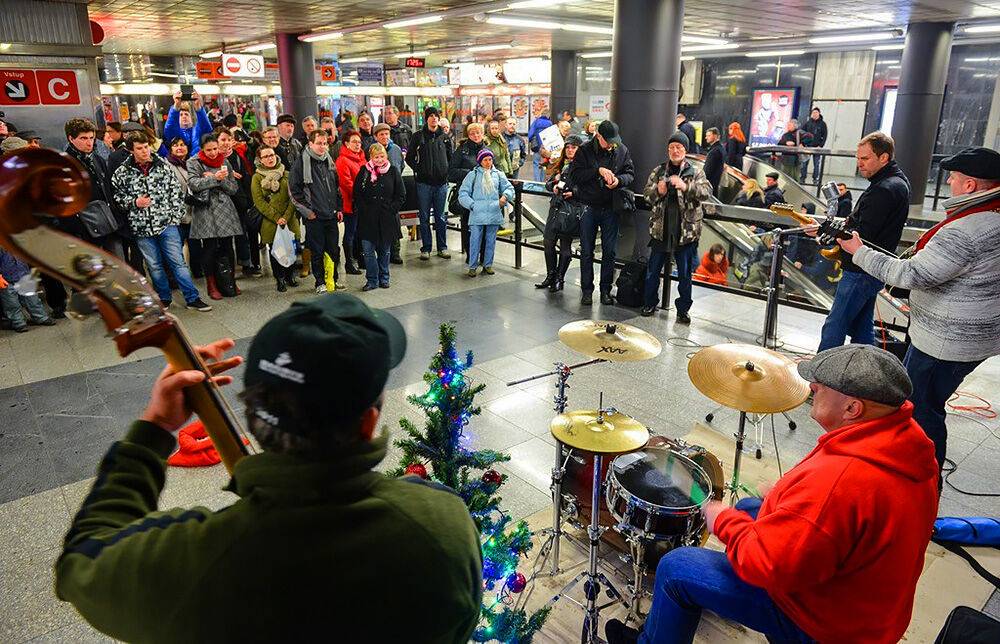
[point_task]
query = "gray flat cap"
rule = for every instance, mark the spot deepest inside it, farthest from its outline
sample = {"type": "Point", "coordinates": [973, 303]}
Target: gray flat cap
{"type": "Point", "coordinates": [862, 371]}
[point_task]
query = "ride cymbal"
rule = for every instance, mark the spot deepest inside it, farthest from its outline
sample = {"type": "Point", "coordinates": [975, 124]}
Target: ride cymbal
{"type": "Point", "coordinates": [748, 378]}
{"type": "Point", "coordinates": [612, 341]}
{"type": "Point", "coordinates": [614, 433]}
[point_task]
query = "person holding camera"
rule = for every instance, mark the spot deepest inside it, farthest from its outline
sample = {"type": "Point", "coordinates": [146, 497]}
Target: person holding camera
{"type": "Point", "coordinates": [563, 222]}
{"type": "Point", "coordinates": [953, 274]}
{"type": "Point", "coordinates": [181, 123]}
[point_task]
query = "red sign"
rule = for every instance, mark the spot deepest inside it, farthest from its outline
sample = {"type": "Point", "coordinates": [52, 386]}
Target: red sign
{"type": "Point", "coordinates": [415, 62]}
{"type": "Point", "coordinates": [209, 70]}
{"type": "Point", "coordinates": [327, 73]}
{"type": "Point", "coordinates": [58, 87]}
{"type": "Point", "coordinates": [233, 65]}
{"type": "Point", "coordinates": [18, 87]}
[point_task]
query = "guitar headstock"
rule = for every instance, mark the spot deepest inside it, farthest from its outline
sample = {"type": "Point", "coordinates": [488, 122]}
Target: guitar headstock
{"type": "Point", "coordinates": [39, 183]}
{"type": "Point", "coordinates": [788, 210]}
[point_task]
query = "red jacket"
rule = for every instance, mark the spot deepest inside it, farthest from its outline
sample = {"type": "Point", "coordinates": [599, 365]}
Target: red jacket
{"type": "Point", "coordinates": [839, 542]}
{"type": "Point", "coordinates": [348, 166]}
{"type": "Point", "coordinates": [709, 271]}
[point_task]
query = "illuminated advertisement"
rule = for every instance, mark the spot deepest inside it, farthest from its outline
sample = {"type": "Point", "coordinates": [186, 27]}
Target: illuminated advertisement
{"type": "Point", "coordinates": [771, 110]}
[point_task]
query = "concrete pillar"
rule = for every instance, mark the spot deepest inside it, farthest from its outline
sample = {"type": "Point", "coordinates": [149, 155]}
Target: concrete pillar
{"type": "Point", "coordinates": [918, 102]}
{"type": "Point", "coordinates": [297, 69]}
{"type": "Point", "coordinates": [563, 82]}
{"type": "Point", "coordinates": [645, 78]}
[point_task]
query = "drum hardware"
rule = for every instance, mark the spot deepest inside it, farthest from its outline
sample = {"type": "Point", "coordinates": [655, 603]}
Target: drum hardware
{"type": "Point", "coordinates": [757, 421]}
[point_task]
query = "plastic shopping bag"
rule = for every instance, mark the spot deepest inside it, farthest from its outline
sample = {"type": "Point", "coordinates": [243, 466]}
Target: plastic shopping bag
{"type": "Point", "coordinates": [283, 246]}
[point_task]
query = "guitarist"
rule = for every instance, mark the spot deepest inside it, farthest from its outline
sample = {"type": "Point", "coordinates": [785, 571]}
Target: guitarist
{"type": "Point", "coordinates": [320, 545]}
{"type": "Point", "coordinates": [954, 281]}
{"type": "Point", "coordinates": [879, 218]}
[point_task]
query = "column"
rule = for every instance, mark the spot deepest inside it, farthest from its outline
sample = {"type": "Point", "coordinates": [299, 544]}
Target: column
{"type": "Point", "coordinates": [563, 82]}
{"type": "Point", "coordinates": [297, 69]}
{"type": "Point", "coordinates": [918, 102]}
{"type": "Point", "coordinates": [645, 78]}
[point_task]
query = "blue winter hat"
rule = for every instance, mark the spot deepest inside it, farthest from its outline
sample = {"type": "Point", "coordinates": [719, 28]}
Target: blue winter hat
{"type": "Point", "coordinates": [485, 152]}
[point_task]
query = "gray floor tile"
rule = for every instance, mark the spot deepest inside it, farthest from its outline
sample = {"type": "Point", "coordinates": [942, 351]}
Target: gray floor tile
{"type": "Point", "coordinates": [29, 606]}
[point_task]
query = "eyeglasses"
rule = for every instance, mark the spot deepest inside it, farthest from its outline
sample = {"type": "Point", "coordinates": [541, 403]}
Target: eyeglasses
{"type": "Point", "coordinates": [267, 156]}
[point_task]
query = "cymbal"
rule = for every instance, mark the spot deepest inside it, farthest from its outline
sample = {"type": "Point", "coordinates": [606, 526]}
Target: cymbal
{"type": "Point", "coordinates": [613, 434]}
{"type": "Point", "coordinates": [748, 378]}
{"type": "Point", "coordinates": [612, 341]}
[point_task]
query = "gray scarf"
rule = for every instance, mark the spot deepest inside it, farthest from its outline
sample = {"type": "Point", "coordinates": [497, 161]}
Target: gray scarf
{"type": "Point", "coordinates": [308, 156]}
{"type": "Point", "coordinates": [962, 202]}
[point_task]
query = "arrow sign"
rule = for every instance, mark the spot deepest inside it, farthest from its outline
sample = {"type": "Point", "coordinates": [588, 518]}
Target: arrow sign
{"type": "Point", "coordinates": [19, 87]}
{"type": "Point", "coordinates": [16, 90]}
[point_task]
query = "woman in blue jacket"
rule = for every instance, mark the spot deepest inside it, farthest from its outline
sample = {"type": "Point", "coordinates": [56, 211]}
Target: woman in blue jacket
{"type": "Point", "coordinates": [485, 192]}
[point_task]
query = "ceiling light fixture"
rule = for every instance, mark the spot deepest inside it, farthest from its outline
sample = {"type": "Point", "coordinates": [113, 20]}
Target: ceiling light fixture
{"type": "Point", "coordinates": [523, 22]}
{"type": "Point", "coordinates": [490, 47]}
{"type": "Point", "coordinates": [690, 48]}
{"type": "Point", "coordinates": [864, 37]}
{"type": "Point", "coordinates": [887, 47]}
{"type": "Point", "coordinates": [260, 47]}
{"type": "Point", "coordinates": [330, 35]}
{"type": "Point", "coordinates": [775, 54]}
{"type": "Point", "coordinates": [590, 29]}
{"type": "Point", "coordinates": [534, 4]}
{"type": "Point", "coordinates": [703, 40]}
{"type": "Point", "coordinates": [981, 29]}
{"type": "Point", "coordinates": [210, 54]}
{"type": "Point", "coordinates": [346, 61]}
{"type": "Point", "coordinates": [412, 54]}
{"type": "Point", "coordinates": [411, 22]}
{"type": "Point", "coordinates": [597, 54]}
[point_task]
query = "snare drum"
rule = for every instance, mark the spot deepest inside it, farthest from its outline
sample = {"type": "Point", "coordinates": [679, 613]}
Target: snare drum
{"type": "Point", "coordinates": [657, 494]}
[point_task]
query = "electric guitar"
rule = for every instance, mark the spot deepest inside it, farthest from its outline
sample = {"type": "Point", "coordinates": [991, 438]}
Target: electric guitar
{"type": "Point", "coordinates": [38, 183]}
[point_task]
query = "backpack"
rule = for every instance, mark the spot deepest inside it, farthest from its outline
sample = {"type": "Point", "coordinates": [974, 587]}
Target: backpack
{"type": "Point", "coordinates": [631, 284]}
{"type": "Point", "coordinates": [954, 532]}
{"type": "Point", "coordinates": [969, 626]}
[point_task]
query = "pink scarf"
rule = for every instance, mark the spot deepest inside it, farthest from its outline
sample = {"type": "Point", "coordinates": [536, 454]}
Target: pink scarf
{"type": "Point", "coordinates": [376, 169]}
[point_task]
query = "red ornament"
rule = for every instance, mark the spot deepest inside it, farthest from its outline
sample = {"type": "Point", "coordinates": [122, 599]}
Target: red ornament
{"type": "Point", "coordinates": [492, 477]}
{"type": "Point", "coordinates": [418, 469]}
{"type": "Point", "coordinates": [516, 582]}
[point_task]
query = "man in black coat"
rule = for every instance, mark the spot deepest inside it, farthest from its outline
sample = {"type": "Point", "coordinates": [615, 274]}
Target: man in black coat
{"type": "Point", "coordinates": [429, 155]}
{"type": "Point", "coordinates": [600, 167]}
{"type": "Point", "coordinates": [816, 127]}
{"type": "Point", "coordinates": [772, 193]}
{"type": "Point", "coordinates": [685, 126]}
{"type": "Point", "coordinates": [399, 132]}
{"type": "Point", "coordinates": [845, 203]}
{"type": "Point", "coordinates": [879, 218]}
{"type": "Point", "coordinates": [715, 158]}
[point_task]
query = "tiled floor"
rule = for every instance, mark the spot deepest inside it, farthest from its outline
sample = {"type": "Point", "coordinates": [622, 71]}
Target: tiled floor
{"type": "Point", "coordinates": [65, 395]}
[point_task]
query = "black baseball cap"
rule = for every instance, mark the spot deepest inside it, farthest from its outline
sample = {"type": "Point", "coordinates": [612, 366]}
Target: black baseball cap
{"type": "Point", "coordinates": [335, 350]}
{"type": "Point", "coordinates": [979, 163]}
{"type": "Point", "coordinates": [609, 132]}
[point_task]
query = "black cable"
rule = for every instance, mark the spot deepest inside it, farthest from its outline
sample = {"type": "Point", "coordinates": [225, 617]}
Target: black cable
{"type": "Point", "coordinates": [948, 471]}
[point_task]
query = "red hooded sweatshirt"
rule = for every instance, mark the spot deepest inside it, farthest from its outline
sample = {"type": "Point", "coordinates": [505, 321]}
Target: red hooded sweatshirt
{"type": "Point", "coordinates": [839, 542]}
{"type": "Point", "coordinates": [348, 166]}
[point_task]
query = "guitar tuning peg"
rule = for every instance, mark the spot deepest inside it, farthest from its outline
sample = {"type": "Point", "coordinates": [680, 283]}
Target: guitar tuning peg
{"type": "Point", "coordinates": [80, 307]}
{"type": "Point", "coordinates": [89, 266]}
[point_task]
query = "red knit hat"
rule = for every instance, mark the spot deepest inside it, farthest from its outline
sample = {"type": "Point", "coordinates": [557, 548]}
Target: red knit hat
{"type": "Point", "coordinates": [195, 448]}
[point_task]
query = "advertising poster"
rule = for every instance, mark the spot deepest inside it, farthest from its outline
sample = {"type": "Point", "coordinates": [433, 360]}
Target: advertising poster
{"type": "Point", "coordinates": [600, 107]}
{"type": "Point", "coordinates": [539, 106]}
{"type": "Point", "coordinates": [770, 111]}
{"type": "Point", "coordinates": [519, 109]}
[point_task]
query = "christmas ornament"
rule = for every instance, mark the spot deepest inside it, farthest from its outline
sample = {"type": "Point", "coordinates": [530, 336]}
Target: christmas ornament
{"type": "Point", "coordinates": [418, 469]}
{"type": "Point", "coordinates": [492, 477]}
{"type": "Point", "coordinates": [516, 582]}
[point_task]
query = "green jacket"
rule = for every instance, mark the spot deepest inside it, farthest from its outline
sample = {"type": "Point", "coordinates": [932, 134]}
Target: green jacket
{"type": "Point", "coordinates": [313, 549]}
{"type": "Point", "coordinates": [501, 154]}
{"type": "Point", "coordinates": [274, 206]}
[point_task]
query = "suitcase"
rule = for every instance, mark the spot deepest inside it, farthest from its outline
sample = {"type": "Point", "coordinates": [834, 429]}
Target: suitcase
{"type": "Point", "coordinates": [631, 284]}
{"type": "Point", "coordinates": [969, 626]}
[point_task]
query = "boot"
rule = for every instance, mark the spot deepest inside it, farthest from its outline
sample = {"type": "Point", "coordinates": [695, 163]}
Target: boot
{"type": "Point", "coordinates": [560, 280]}
{"type": "Point", "coordinates": [281, 285]}
{"type": "Point", "coordinates": [351, 266]}
{"type": "Point", "coordinates": [550, 279]}
{"type": "Point", "coordinates": [213, 289]}
{"type": "Point", "coordinates": [306, 263]}
{"type": "Point", "coordinates": [289, 277]}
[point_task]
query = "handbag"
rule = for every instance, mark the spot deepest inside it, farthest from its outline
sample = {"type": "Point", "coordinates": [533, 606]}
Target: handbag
{"type": "Point", "coordinates": [566, 216]}
{"type": "Point", "coordinates": [98, 219]}
{"type": "Point", "coordinates": [202, 198]}
{"type": "Point", "coordinates": [253, 219]}
{"type": "Point", "coordinates": [623, 200]}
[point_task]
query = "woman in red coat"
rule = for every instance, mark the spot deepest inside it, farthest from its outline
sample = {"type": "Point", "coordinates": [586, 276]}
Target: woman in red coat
{"type": "Point", "coordinates": [714, 266]}
{"type": "Point", "coordinates": [348, 166]}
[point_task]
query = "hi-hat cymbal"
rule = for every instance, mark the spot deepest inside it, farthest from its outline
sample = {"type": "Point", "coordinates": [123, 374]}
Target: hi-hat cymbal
{"type": "Point", "coordinates": [748, 378]}
{"type": "Point", "coordinates": [614, 433]}
{"type": "Point", "coordinates": [612, 341]}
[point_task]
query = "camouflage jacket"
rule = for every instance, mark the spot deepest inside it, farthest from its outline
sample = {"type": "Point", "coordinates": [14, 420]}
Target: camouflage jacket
{"type": "Point", "coordinates": [693, 202]}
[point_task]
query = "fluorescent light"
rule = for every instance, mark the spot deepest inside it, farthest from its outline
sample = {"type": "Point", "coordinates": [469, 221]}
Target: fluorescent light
{"type": "Point", "coordinates": [683, 58]}
{"type": "Point", "coordinates": [731, 45]}
{"type": "Point", "coordinates": [410, 22]}
{"type": "Point", "coordinates": [534, 4]}
{"type": "Point", "coordinates": [323, 36]}
{"type": "Point", "coordinates": [523, 22]}
{"type": "Point", "coordinates": [597, 54]}
{"type": "Point", "coordinates": [787, 52]}
{"type": "Point", "coordinates": [345, 61]}
{"type": "Point", "coordinates": [210, 54]}
{"type": "Point", "coordinates": [490, 47]}
{"type": "Point", "coordinates": [590, 29]}
{"type": "Point", "coordinates": [888, 47]}
{"type": "Point", "coordinates": [875, 35]}
{"type": "Point", "coordinates": [245, 90]}
{"type": "Point", "coordinates": [260, 47]}
{"type": "Point", "coordinates": [412, 54]}
{"type": "Point", "coordinates": [982, 29]}
{"type": "Point", "coordinates": [984, 59]}
{"type": "Point", "coordinates": [703, 40]}
{"type": "Point", "coordinates": [776, 64]}
{"type": "Point", "coordinates": [887, 62]}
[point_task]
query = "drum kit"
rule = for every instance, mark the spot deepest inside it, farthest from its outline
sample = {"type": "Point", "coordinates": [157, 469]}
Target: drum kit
{"type": "Point", "coordinates": [644, 495]}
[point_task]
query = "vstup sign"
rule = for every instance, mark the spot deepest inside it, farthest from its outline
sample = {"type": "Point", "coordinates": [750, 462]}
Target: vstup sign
{"type": "Point", "coordinates": [242, 66]}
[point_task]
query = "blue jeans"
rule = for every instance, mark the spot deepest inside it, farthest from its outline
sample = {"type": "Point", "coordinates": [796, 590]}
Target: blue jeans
{"type": "Point", "coordinates": [477, 234]}
{"type": "Point", "coordinates": [539, 171]}
{"type": "Point", "coordinates": [376, 262]}
{"type": "Point", "coordinates": [605, 219]}
{"type": "Point", "coordinates": [11, 303]}
{"type": "Point", "coordinates": [167, 247]}
{"type": "Point", "coordinates": [429, 197]}
{"type": "Point", "coordinates": [350, 227]}
{"type": "Point", "coordinates": [689, 580]}
{"type": "Point", "coordinates": [853, 311]}
{"type": "Point", "coordinates": [684, 257]}
{"type": "Point", "coordinates": [934, 381]}
{"type": "Point", "coordinates": [817, 167]}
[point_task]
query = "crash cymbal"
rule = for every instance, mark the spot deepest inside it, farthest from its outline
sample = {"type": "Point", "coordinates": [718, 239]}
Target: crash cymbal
{"type": "Point", "coordinates": [748, 378]}
{"type": "Point", "coordinates": [613, 434]}
{"type": "Point", "coordinates": [612, 341]}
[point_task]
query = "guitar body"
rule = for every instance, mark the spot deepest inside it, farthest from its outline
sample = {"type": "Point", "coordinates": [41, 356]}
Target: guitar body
{"type": "Point", "coordinates": [39, 183]}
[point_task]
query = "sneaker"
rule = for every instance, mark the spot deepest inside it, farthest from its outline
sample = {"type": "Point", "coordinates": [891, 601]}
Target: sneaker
{"type": "Point", "coordinates": [607, 299]}
{"type": "Point", "coordinates": [618, 633]}
{"type": "Point", "coordinates": [321, 288]}
{"type": "Point", "coordinates": [444, 254]}
{"type": "Point", "coordinates": [45, 322]}
{"type": "Point", "coordinates": [198, 305]}
{"type": "Point", "coordinates": [369, 287]}
{"type": "Point", "coordinates": [21, 329]}
{"type": "Point", "coordinates": [683, 318]}
{"type": "Point", "coordinates": [396, 260]}
{"type": "Point", "coordinates": [166, 303]}
{"type": "Point", "coordinates": [424, 255]}
{"type": "Point", "coordinates": [647, 311]}
{"type": "Point", "coordinates": [489, 270]}
{"type": "Point", "coordinates": [472, 272]}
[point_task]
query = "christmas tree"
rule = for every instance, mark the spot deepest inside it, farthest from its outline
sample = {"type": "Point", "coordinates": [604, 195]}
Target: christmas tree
{"type": "Point", "coordinates": [441, 452]}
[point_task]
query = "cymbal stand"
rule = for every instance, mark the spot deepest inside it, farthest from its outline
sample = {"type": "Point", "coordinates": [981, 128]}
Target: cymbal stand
{"type": "Point", "coordinates": [562, 372]}
{"type": "Point", "coordinates": [735, 486]}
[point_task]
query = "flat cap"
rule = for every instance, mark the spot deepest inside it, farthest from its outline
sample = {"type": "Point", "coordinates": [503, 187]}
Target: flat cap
{"type": "Point", "coordinates": [861, 371]}
{"type": "Point", "coordinates": [980, 163]}
{"type": "Point", "coordinates": [772, 175]}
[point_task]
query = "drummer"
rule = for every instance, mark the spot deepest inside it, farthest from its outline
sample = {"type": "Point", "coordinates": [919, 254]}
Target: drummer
{"type": "Point", "coordinates": [834, 550]}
